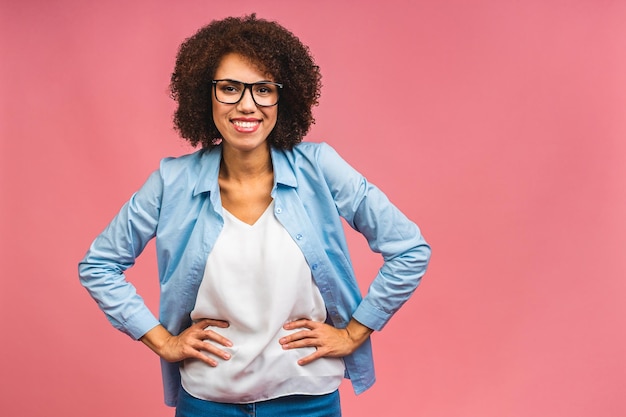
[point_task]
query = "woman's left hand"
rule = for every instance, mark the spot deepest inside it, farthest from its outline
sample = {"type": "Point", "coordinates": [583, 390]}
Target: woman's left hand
{"type": "Point", "coordinates": [326, 339]}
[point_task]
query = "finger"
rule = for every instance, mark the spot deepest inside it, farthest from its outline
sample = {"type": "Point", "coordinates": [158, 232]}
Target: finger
{"type": "Point", "coordinates": [219, 323]}
{"type": "Point", "coordinates": [204, 323]}
{"type": "Point", "coordinates": [303, 334]}
{"type": "Point", "coordinates": [216, 337]}
{"type": "Point", "coordinates": [308, 342]}
{"type": "Point", "coordinates": [211, 349]}
{"type": "Point", "coordinates": [296, 324]}
{"type": "Point", "coordinates": [190, 348]}
{"type": "Point", "coordinates": [204, 358]}
{"type": "Point", "coordinates": [308, 359]}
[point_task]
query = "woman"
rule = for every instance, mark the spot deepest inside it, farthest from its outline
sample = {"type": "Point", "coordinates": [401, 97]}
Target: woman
{"type": "Point", "coordinates": [260, 311]}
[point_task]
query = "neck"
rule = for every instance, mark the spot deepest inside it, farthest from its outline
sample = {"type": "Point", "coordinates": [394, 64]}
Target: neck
{"type": "Point", "coordinates": [241, 166]}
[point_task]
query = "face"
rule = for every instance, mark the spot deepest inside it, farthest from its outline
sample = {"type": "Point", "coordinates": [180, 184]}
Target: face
{"type": "Point", "coordinates": [244, 125]}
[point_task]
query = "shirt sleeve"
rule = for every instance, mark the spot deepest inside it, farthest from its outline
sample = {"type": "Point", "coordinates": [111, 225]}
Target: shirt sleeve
{"type": "Point", "coordinates": [388, 232]}
{"type": "Point", "coordinates": [102, 269]}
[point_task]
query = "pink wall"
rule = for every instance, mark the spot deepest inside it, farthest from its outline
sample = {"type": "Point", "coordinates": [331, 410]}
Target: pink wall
{"type": "Point", "coordinates": [498, 126]}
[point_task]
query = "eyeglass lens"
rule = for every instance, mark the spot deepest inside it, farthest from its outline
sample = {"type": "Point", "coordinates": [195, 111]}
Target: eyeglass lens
{"type": "Point", "coordinates": [230, 92]}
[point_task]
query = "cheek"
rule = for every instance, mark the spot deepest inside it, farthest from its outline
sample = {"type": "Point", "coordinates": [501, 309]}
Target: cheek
{"type": "Point", "coordinates": [214, 110]}
{"type": "Point", "coordinates": [272, 116]}
{"type": "Point", "coordinates": [219, 116]}
{"type": "Point", "coordinates": [219, 119]}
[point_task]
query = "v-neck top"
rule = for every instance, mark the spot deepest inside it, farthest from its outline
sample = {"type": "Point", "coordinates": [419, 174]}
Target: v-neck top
{"type": "Point", "coordinates": [257, 279]}
{"type": "Point", "coordinates": [315, 191]}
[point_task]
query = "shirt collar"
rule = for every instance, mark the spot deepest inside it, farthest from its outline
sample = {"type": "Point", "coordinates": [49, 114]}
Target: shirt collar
{"type": "Point", "coordinates": [283, 172]}
{"type": "Point", "coordinates": [210, 167]}
{"type": "Point", "coordinates": [209, 171]}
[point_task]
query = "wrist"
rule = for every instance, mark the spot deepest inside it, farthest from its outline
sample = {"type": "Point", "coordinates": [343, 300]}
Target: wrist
{"type": "Point", "coordinates": [357, 332]}
{"type": "Point", "coordinates": [156, 339]}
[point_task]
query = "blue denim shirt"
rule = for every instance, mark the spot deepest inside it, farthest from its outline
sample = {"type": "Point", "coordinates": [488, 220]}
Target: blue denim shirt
{"type": "Point", "coordinates": [313, 188]}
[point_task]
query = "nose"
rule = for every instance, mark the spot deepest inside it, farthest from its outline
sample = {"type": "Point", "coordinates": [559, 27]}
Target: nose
{"type": "Point", "coordinates": [247, 104]}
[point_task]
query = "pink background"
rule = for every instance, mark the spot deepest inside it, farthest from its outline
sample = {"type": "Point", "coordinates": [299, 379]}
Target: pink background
{"type": "Point", "coordinates": [499, 126]}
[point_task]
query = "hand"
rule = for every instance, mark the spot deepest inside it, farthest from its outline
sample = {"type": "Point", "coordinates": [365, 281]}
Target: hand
{"type": "Point", "coordinates": [191, 343]}
{"type": "Point", "coordinates": [327, 340]}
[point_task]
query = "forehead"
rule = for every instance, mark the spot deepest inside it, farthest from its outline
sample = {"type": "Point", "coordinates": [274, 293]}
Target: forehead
{"type": "Point", "coordinates": [241, 68]}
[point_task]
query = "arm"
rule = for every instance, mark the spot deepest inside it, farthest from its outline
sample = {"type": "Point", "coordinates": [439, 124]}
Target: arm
{"type": "Point", "coordinates": [389, 232]}
{"type": "Point", "coordinates": [102, 274]}
{"type": "Point", "coordinates": [115, 250]}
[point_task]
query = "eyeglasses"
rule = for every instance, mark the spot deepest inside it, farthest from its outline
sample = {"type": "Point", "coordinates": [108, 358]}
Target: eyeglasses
{"type": "Point", "coordinates": [264, 93]}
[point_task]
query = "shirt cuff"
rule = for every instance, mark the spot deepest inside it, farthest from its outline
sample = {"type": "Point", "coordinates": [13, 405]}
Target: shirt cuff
{"type": "Point", "coordinates": [140, 323]}
{"type": "Point", "coordinates": [370, 316]}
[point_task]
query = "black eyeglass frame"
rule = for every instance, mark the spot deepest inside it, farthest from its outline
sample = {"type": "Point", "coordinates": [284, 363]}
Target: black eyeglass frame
{"type": "Point", "coordinates": [247, 86]}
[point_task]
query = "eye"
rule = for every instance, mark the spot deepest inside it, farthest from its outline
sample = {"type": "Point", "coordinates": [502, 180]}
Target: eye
{"type": "Point", "coordinates": [229, 88]}
{"type": "Point", "coordinates": [264, 89]}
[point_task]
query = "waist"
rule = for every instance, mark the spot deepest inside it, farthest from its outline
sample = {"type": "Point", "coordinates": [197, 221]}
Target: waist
{"type": "Point", "coordinates": [260, 369]}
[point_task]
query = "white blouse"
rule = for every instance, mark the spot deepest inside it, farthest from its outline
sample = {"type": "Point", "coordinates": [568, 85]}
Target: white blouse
{"type": "Point", "coordinates": [257, 279]}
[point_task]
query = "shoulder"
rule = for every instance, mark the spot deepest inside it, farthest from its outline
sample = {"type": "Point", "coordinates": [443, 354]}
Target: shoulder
{"type": "Point", "coordinates": [316, 163]}
{"type": "Point", "coordinates": [189, 161]}
{"type": "Point", "coordinates": [307, 158]}
{"type": "Point", "coordinates": [184, 175]}
{"type": "Point", "coordinates": [192, 167]}
{"type": "Point", "coordinates": [326, 159]}
{"type": "Point", "coordinates": [311, 148]}
{"type": "Point", "coordinates": [319, 154]}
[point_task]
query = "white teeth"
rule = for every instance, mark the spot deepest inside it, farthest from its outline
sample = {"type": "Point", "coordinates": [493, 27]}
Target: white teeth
{"type": "Point", "coordinates": [245, 125]}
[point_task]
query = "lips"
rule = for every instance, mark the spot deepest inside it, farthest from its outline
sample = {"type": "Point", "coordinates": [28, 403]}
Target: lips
{"type": "Point", "coordinates": [246, 126]}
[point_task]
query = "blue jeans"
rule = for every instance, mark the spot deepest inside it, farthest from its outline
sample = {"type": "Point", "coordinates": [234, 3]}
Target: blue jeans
{"type": "Point", "coordinates": [292, 405]}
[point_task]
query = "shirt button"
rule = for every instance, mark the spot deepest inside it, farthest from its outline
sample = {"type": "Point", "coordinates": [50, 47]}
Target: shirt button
{"type": "Point", "coordinates": [279, 210]}
{"type": "Point", "coordinates": [298, 236]}
{"type": "Point", "coordinates": [314, 267]}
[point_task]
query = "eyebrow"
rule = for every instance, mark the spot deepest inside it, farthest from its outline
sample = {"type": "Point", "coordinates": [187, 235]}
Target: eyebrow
{"type": "Point", "coordinates": [243, 82]}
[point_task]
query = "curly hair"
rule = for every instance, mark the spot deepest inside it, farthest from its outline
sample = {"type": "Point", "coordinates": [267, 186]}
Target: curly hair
{"type": "Point", "coordinates": [269, 46]}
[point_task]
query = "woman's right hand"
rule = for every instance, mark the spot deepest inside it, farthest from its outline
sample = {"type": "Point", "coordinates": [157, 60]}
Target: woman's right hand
{"type": "Point", "coordinates": [191, 343]}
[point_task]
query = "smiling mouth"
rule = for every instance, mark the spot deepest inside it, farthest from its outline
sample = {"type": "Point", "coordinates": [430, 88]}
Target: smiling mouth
{"type": "Point", "coordinates": [246, 125]}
